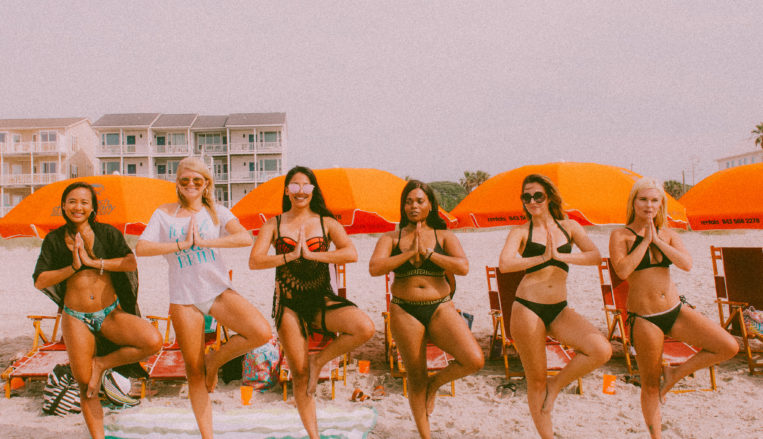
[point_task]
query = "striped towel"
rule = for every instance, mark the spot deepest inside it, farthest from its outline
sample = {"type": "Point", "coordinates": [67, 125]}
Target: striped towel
{"type": "Point", "coordinates": [259, 423]}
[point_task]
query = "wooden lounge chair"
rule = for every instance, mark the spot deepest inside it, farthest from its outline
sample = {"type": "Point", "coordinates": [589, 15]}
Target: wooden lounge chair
{"type": "Point", "coordinates": [557, 355]}
{"type": "Point", "coordinates": [336, 369]}
{"type": "Point", "coordinates": [614, 292]}
{"type": "Point", "coordinates": [740, 286]}
{"type": "Point", "coordinates": [48, 350]}
{"type": "Point", "coordinates": [437, 359]}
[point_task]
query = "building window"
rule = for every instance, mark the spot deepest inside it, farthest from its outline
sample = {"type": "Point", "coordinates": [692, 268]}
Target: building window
{"type": "Point", "coordinates": [47, 136]}
{"type": "Point", "coordinates": [131, 140]}
{"type": "Point", "coordinates": [161, 169]}
{"type": "Point", "coordinates": [108, 168]}
{"type": "Point", "coordinates": [2, 137]}
{"type": "Point", "coordinates": [172, 166]}
{"type": "Point", "coordinates": [73, 171]}
{"type": "Point", "coordinates": [177, 139]}
{"type": "Point", "coordinates": [270, 165]}
{"type": "Point", "coordinates": [251, 138]}
{"type": "Point", "coordinates": [131, 169]}
{"type": "Point", "coordinates": [269, 136]}
{"type": "Point", "coordinates": [110, 139]}
{"type": "Point", "coordinates": [48, 167]}
{"type": "Point", "coordinates": [210, 139]}
{"type": "Point", "coordinates": [161, 140]}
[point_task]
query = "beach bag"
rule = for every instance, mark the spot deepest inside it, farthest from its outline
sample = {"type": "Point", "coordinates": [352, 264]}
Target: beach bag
{"type": "Point", "coordinates": [753, 320]}
{"type": "Point", "coordinates": [61, 392]}
{"type": "Point", "coordinates": [261, 366]}
{"type": "Point", "coordinates": [116, 391]}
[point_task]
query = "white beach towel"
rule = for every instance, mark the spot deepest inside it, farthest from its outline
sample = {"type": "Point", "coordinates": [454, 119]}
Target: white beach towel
{"type": "Point", "coordinates": [159, 422]}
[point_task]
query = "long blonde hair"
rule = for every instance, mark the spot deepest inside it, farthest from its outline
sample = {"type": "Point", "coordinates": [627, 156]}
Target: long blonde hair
{"type": "Point", "coordinates": [648, 183]}
{"type": "Point", "coordinates": [208, 196]}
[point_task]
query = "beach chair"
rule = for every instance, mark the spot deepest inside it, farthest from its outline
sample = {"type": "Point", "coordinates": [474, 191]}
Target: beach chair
{"type": "Point", "coordinates": [48, 350]}
{"type": "Point", "coordinates": [614, 292]}
{"type": "Point", "coordinates": [557, 355]}
{"type": "Point", "coordinates": [737, 287]}
{"type": "Point", "coordinates": [437, 359]}
{"type": "Point", "coordinates": [495, 348]}
{"type": "Point", "coordinates": [336, 369]}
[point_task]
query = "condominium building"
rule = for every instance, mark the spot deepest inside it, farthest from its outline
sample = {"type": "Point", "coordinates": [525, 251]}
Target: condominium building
{"type": "Point", "coordinates": [242, 150]}
{"type": "Point", "coordinates": [742, 158]}
{"type": "Point", "coordinates": [35, 152]}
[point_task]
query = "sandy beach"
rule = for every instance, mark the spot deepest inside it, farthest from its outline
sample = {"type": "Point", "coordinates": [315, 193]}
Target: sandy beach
{"type": "Point", "coordinates": [477, 411]}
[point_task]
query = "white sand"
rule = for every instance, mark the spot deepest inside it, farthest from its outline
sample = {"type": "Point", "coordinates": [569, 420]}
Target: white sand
{"type": "Point", "coordinates": [734, 411]}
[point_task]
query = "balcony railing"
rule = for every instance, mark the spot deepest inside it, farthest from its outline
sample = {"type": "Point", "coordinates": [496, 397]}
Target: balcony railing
{"type": "Point", "coordinates": [221, 177]}
{"type": "Point", "coordinates": [33, 147]}
{"type": "Point", "coordinates": [30, 179]}
{"type": "Point", "coordinates": [103, 150]}
{"type": "Point", "coordinates": [171, 150]}
{"type": "Point", "coordinates": [263, 176]}
{"type": "Point", "coordinates": [251, 147]}
{"type": "Point", "coordinates": [168, 177]}
{"type": "Point", "coordinates": [214, 148]}
{"type": "Point", "coordinates": [242, 177]}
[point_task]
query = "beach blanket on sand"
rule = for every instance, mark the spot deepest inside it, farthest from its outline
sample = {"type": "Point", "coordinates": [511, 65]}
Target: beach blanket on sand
{"type": "Point", "coordinates": [259, 423]}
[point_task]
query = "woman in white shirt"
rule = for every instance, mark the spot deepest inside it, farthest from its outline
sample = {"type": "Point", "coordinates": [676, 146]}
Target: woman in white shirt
{"type": "Point", "coordinates": [188, 234]}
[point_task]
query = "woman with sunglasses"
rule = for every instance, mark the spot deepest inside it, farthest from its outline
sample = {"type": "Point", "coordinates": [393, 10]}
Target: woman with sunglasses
{"type": "Point", "coordinates": [421, 254]}
{"type": "Point", "coordinates": [304, 301]}
{"type": "Point", "coordinates": [542, 247]}
{"type": "Point", "coordinates": [642, 253]}
{"type": "Point", "coordinates": [87, 268]}
{"type": "Point", "coordinates": [189, 233]}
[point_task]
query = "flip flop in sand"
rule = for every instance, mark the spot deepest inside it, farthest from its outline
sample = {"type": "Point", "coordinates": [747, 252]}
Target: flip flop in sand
{"type": "Point", "coordinates": [358, 396]}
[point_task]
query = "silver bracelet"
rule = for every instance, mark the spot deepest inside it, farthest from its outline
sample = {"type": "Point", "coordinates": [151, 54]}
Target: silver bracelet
{"type": "Point", "coordinates": [101, 273]}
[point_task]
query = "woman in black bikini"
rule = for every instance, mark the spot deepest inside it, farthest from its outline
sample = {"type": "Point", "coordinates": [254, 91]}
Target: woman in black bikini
{"type": "Point", "coordinates": [540, 307]}
{"type": "Point", "coordinates": [641, 253]}
{"type": "Point", "coordinates": [84, 266]}
{"type": "Point", "coordinates": [420, 254]}
{"type": "Point", "coordinates": [304, 301]}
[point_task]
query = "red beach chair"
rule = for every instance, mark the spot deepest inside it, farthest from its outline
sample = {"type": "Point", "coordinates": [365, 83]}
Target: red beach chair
{"type": "Point", "coordinates": [738, 287]}
{"type": "Point", "coordinates": [437, 359]}
{"type": "Point", "coordinates": [614, 292]}
{"type": "Point", "coordinates": [47, 351]}
{"type": "Point", "coordinates": [557, 355]}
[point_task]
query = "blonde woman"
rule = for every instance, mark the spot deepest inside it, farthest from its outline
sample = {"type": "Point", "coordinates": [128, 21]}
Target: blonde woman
{"type": "Point", "coordinates": [189, 233]}
{"type": "Point", "coordinates": [543, 249]}
{"type": "Point", "coordinates": [642, 253]}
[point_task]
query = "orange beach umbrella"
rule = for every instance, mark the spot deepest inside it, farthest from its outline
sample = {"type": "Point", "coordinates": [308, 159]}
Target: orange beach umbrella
{"type": "Point", "coordinates": [125, 202]}
{"type": "Point", "coordinates": [592, 194]}
{"type": "Point", "coordinates": [729, 199]}
{"type": "Point", "coordinates": [363, 200]}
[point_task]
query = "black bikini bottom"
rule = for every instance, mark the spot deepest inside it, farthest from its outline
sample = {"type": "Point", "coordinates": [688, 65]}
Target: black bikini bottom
{"type": "Point", "coordinates": [546, 311]}
{"type": "Point", "coordinates": [307, 314]}
{"type": "Point", "coordinates": [421, 311]}
{"type": "Point", "coordinates": [664, 320]}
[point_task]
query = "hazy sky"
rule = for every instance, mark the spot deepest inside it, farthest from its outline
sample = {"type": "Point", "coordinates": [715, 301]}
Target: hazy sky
{"type": "Point", "coordinates": [424, 89]}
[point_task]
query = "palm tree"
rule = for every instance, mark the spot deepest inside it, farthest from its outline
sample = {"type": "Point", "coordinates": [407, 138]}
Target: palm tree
{"type": "Point", "coordinates": [473, 179]}
{"type": "Point", "coordinates": [758, 132]}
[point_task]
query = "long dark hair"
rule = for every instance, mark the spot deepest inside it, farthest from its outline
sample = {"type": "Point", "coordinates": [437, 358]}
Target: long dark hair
{"type": "Point", "coordinates": [433, 219]}
{"type": "Point", "coordinates": [94, 201]}
{"type": "Point", "coordinates": [317, 203]}
{"type": "Point", "coordinates": [552, 193]}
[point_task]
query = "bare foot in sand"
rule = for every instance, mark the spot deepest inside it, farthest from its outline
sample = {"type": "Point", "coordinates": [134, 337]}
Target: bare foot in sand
{"type": "Point", "coordinates": [313, 372]}
{"type": "Point", "coordinates": [668, 381]}
{"type": "Point", "coordinates": [94, 385]}
{"type": "Point", "coordinates": [211, 373]}
{"type": "Point", "coordinates": [431, 397]}
{"type": "Point", "coordinates": [552, 391]}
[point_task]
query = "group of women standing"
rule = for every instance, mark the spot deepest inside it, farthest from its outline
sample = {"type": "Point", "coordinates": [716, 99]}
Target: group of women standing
{"type": "Point", "coordinates": [84, 260]}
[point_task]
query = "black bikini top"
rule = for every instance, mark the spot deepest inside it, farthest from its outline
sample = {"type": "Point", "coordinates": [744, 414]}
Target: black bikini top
{"type": "Point", "coordinates": [285, 244]}
{"type": "Point", "coordinates": [646, 261]}
{"type": "Point", "coordinates": [427, 268]}
{"type": "Point", "coordinates": [537, 249]}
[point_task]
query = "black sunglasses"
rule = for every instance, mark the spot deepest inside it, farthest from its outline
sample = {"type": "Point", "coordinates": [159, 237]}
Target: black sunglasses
{"type": "Point", "coordinates": [538, 197]}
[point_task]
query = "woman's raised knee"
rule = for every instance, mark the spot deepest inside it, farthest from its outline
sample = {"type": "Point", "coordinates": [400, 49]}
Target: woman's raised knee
{"type": "Point", "coordinates": [601, 351]}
